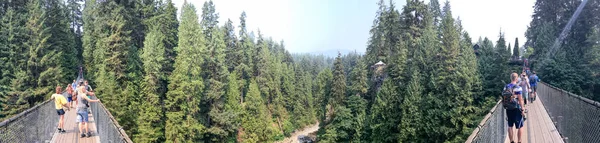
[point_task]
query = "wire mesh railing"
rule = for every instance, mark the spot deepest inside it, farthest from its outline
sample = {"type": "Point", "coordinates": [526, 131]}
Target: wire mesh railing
{"type": "Point", "coordinates": [492, 129]}
{"type": "Point", "coordinates": [31, 125]}
{"type": "Point", "coordinates": [576, 118]}
{"type": "Point", "coordinates": [34, 126]}
{"type": "Point", "coordinates": [109, 130]}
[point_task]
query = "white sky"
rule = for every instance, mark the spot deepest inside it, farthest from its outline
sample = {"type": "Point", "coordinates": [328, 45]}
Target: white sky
{"type": "Point", "coordinates": [326, 25]}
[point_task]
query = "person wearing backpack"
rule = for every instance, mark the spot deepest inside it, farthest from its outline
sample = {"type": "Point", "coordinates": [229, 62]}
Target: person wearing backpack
{"type": "Point", "coordinates": [512, 100]}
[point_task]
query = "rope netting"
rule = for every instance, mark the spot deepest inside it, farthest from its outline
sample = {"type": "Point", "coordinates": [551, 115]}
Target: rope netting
{"type": "Point", "coordinates": [492, 128]}
{"type": "Point", "coordinates": [576, 118]}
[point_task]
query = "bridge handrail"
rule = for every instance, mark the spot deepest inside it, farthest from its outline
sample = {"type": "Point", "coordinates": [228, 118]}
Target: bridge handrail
{"type": "Point", "coordinates": [22, 114]}
{"type": "Point", "coordinates": [481, 124]}
{"type": "Point", "coordinates": [591, 102]}
{"type": "Point", "coordinates": [24, 127]}
{"type": "Point", "coordinates": [115, 123]}
{"type": "Point", "coordinates": [575, 117]}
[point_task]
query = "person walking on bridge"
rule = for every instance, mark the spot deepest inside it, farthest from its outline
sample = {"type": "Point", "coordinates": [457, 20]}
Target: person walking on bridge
{"type": "Point", "coordinates": [82, 110]}
{"type": "Point", "coordinates": [59, 103]}
{"type": "Point", "coordinates": [533, 80]}
{"type": "Point", "coordinates": [74, 92]}
{"type": "Point", "coordinates": [515, 114]}
{"type": "Point", "coordinates": [524, 84]}
{"type": "Point", "coordinates": [69, 91]}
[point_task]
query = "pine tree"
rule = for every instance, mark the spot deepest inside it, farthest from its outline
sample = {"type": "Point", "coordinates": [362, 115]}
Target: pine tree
{"type": "Point", "coordinates": [150, 121]}
{"type": "Point", "coordinates": [510, 49]}
{"type": "Point", "coordinates": [186, 83]}
{"type": "Point", "coordinates": [323, 92]}
{"type": "Point", "coordinates": [383, 119]}
{"type": "Point", "coordinates": [340, 129]}
{"type": "Point", "coordinates": [516, 48]}
{"type": "Point", "coordinates": [117, 67]}
{"type": "Point", "coordinates": [89, 39]}
{"type": "Point", "coordinates": [434, 7]}
{"type": "Point", "coordinates": [501, 48]}
{"type": "Point", "coordinates": [261, 67]}
{"type": "Point", "coordinates": [216, 69]}
{"type": "Point", "coordinates": [44, 74]}
{"type": "Point", "coordinates": [489, 70]}
{"type": "Point", "coordinates": [410, 110]}
{"type": "Point", "coordinates": [256, 122]}
{"type": "Point", "coordinates": [246, 44]}
{"type": "Point", "coordinates": [292, 89]}
{"type": "Point", "coordinates": [209, 19]}
{"type": "Point", "coordinates": [338, 83]}
{"type": "Point", "coordinates": [169, 17]}
{"type": "Point", "coordinates": [62, 39]}
{"type": "Point", "coordinates": [359, 79]}
{"type": "Point", "coordinates": [358, 108]}
{"type": "Point", "coordinates": [75, 18]}
{"type": "Point", "coordinates": [233, 108]}
{"type": "Point", "coordinates": [375, 49]}
{"type": "Point", "coordinates": [4, 60]}
{"type": "Point", "coordinates": [14, 76]}
{"type": "Point", "coordinates": [234, 52]}
{"type": "Point", "coordinates": [447, 82]}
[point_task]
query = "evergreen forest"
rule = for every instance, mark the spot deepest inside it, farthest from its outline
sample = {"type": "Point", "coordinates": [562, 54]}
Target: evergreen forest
{"type": "Point", "coordinates": [178, 74]}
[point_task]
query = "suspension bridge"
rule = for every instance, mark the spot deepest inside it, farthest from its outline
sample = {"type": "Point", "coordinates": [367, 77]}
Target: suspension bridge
{"type": "Point", "coordinates": [556, 116]}
{"type": "Point", "coordinates": [39, 125]}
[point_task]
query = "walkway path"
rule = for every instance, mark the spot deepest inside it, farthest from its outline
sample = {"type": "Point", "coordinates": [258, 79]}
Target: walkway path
{"type": "Point", "coordinates": [538, 127]}
{"type": "Point", "coordinates": [307, 130]}
{"type": "Point", "coordinates": [72, 135]}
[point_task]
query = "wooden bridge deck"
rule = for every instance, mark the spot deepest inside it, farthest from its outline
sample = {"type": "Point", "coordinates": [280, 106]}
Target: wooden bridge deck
{"type": "Point", "coordinates": [72, 134]}
{"type": "Point", "coordinates": [538, 127]}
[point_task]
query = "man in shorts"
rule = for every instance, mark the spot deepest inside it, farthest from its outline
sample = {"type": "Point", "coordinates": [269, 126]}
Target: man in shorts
{"type": "Point", "coordinates": [82, 110]}
{"type": "Point", "coordinates": [515, 116]}
{"type": "Point", "coordinates": [59, 102]}
{"type": "Point", "coordinates": [533, 80]}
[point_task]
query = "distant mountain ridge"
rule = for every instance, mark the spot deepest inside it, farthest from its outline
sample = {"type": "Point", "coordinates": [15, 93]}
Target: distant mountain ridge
{"type": "Point", "coordinates": [334, 52]}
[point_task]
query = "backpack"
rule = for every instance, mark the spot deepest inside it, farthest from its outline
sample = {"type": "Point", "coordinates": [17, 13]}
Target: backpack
{"type": "Point", "coordinates": [509, 100]}
{"type": "Point", "coordinates": [533, 79]}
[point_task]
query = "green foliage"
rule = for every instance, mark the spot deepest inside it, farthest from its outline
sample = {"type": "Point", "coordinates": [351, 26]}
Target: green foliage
{"type": "Point", "coordinates": [256, 122]}
{"type": "Point", "coordinates": [516, 48]}
{"type": "Point", "coordinates": [528, 52]}
{"type": "Point", "coordinates": [359, 79]}
{"type": "Point", "coordinates": [44, 74]}
{"type": "Point", "coordinates": [338, 83]}
{"type": "Point", "coordinates": [62, 39]}
{"type": "Point", "coordinates": [383, 124]}
{"type": "Point", "coordinates": [186, 83]}
{"type": "Point", "coordinates": [410, 109]}
{"type": "Point", "coordinates": [219, 123]}
{"type": "Point", "coordinates": [233, 99]}
{"type": "Point", "coordinates": [323, 92]}
{"type": "Point", "coordinates": [340, 128]}
{"type": "Point", "coordinates": [150, 121]}
{"type": "Point", "coordinates": [569, 65]}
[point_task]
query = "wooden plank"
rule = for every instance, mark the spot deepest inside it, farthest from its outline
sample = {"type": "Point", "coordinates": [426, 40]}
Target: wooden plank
{"type": "Point", "coordinates": [553, 132]}
{"type": "Point", "coordinates": [542, 128]}
{"type": "Point", "coordinates": [72, 134]}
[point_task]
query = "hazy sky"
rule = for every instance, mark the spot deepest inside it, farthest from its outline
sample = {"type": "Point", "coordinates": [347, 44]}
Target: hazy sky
{"type": "Point", "coordinates": [331, 25]}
